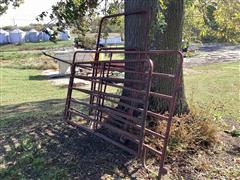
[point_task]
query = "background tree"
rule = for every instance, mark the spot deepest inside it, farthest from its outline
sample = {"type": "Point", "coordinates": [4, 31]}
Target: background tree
{"type": "Point", "coordinates": [206, 21]}
{"type": "Point", "coordinates": [166, 25]}
{"type": "Point", "coordinates": [227, 19]}
{"type": "Point", "coordinates": [74, 14]}
{"type": "Point", "coordinates": [81, 16]}
{"type": "Point", "coordinates": [4, 5]}
{"type": "Point", "coordinates": [38, 27]}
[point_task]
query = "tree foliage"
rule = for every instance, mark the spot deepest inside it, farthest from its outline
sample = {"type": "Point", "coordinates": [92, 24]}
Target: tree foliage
{"type": "Point", "coordinates": [38, 27]}
{"type": "Point", "coordinates": [227, 17]}
{"type": "Point", "coordinates": [212, 20]}
{"type": "Point", "coordinates": [205, 20]}
{"type": "Point", "coordinates": [75, 14]}
{"type": "Point", "coordinates": [4, 5]}
{"type": "Point", "coordinates": [79, 15]}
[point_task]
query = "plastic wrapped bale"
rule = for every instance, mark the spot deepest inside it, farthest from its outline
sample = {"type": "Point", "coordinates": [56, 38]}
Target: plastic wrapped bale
{"type": "Point", "coordinates": [17, 36]}
{"type": "Point", "coordinates": [32, 35]}
{"type": "Point", "coordinates": [63, 36]}
{"type": "Point", "coordinates": [4, 37]}
{"type": "Point", "coordinates": [42, 36]}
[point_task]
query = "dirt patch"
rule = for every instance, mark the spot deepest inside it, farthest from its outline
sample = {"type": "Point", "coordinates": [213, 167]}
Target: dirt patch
{"type": "Point", "coordinates": [219, 162]}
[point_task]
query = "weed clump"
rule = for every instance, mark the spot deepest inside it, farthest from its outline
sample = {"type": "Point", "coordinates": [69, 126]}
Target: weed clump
{"type": "Point", "coordinates": [192, 131]}
{"type": "Point", "coordinates": [189, 132]}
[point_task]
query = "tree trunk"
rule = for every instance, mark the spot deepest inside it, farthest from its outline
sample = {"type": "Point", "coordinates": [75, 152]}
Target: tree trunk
{"type": "Point", "coordinates": [161, 36]}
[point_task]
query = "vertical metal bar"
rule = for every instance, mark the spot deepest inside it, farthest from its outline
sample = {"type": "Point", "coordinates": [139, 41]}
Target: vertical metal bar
{"type": "Point", "coordinates": [105, 85]}
{"type": "Point", "coordinates": [69, 93]}
{"type": "Point", "coordinates": [99, 97]}
{"type": "Point", "coordinates": [171, 112]}
{"type": "Point", "coordinates": [93, 83]}
{"type": "Point", "coordinates": [70, 85]}
{"type": "Point", "coordinates": [145, 108]}
{"type": "Point", "coordinates": [146, 13]}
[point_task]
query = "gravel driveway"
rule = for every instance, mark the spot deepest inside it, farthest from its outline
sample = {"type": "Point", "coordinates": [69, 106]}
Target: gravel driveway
{"type": "Point", "coordinates": [214, 53]}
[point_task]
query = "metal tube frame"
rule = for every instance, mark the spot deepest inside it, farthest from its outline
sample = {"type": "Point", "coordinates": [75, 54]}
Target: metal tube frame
{"type": "Point", "coordinates": [103, 78]}
{"type": "Point", "coordinates": [104, 112]}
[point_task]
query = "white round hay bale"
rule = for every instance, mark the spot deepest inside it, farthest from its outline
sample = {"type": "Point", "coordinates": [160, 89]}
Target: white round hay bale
{"type": "Point", "coordinates": [16, 36]}
{"type": "Point", "coordinates": [42, 36]}
{"type": "Point", "coordinates": [4, 37]}
{"type": "Point", "coordinates": [63, 36]}
{"type": "Point", "coordinates": [32, 35]}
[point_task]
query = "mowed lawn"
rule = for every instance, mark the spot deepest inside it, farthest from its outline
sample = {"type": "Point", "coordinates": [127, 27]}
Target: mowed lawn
{"type": "Point", "coordinates": [215, 87]}
{"type": "Point", "coordinates": [23, 85]}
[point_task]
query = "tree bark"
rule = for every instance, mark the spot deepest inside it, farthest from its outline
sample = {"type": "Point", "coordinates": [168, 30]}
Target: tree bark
{"type": "Point", "coordinates": [161, 36]}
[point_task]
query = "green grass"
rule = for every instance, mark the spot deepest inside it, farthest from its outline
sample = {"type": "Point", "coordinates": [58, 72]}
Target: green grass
{"type": "Point", "coordinates": [30, 95]}
{"type": "Point", "coordinates": [35, 46]}
{"type": "Point", "coordinates": [26, 60]}
{"type": "Point", "coordinates": [27, 100]}
{"type": "Point", "coordinates": [216, 86]}
{"type": "Point", "coordinates": [18, 56]}
{"type": "Point", "coordinates": [23, 85]}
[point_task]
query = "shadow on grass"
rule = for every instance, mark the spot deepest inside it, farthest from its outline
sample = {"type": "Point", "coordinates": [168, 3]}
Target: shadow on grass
{"type": "Point", "coordinates": [36, 143]}
{"type": "Point", "coordinates": [46, 77]}
{"type": "Point", "coordinates": [39, 77]}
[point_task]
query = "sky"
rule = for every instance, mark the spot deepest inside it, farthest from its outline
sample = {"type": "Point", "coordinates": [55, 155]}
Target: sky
{"type": "Point", "coordinates": [26, 13]}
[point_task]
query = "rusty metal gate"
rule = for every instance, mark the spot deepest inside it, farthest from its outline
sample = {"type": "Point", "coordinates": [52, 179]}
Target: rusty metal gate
{"type": "Point", "coordinates": [116, 108]}
{"type": "Point", "coordinates": [111, 97]}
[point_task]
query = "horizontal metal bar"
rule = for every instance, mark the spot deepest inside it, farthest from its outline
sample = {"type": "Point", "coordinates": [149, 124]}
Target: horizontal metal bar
{"type": "Point", "coordinates": [85, 67]}
{"type": "Point", "coordinates": [170, 76]}
{"type": "Point", "coordinates": [149, 131]}
{"type": "Point", "coordinates": [97, 93]}
{"type": "Point", "coordinates": [106, 109]}
{"type": "Point", "coordinates": [131, 137]}
{"type": "Point", "coordinates": [112, 61]}
{"type": "Point", "coordinates": [81, 102]}
{"type": "Point", "coordinates": [61, 60]}
{"type": "Point", "coordinates": [102, 136]}
{"type": "Point", "coordinates": [116, 48]}
{"type": "Point", "coordinates": [107, 99]}
{"type": "Point", "coordinates": [121, 114]}
{"type": "Point", "coordinates": [157, 115]}
{"type": "Point", "coordinates": [117, 65]}
{"type": "Point", "coordinates": [142, 92]}
{"type": "Point", "coordinates": [127, 71]}
{"type": "Point", "coordinates": [121, 120]}
{"type": "Point", "coordinates": [162, 96]}
{"type": "Point", "coordinates": [124, 105]}
{"type": "Point", "coordinates": [124, 14]}
{"type": "Point", "coordinates": [116, 80]}
{"type": "Point", "coordinates": [152, 149]}
{"type": "Point", "coordinates": [150, 52]}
